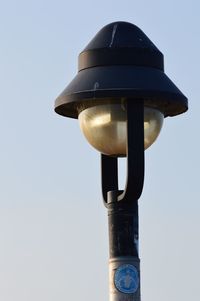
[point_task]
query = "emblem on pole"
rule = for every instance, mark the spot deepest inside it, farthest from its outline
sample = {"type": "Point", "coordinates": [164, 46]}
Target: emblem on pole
{"type": "Point", "coordinates": [126, 279]}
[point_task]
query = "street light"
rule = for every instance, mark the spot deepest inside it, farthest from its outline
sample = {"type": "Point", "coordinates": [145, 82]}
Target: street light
{"type": "Point", "coordinates": [121, 96]}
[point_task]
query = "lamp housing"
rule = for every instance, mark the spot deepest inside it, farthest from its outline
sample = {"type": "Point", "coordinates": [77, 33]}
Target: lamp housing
{"type": "Point", "coordinates": [119, 65]}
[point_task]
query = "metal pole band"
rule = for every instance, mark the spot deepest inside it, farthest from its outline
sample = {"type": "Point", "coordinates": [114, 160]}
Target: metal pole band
{"type": "Point", "coordinates": [124, 279]}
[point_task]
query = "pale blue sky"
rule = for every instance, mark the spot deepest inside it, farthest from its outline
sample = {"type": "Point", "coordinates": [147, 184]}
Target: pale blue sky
{"type": "Point", "coordinates": [53, 238]}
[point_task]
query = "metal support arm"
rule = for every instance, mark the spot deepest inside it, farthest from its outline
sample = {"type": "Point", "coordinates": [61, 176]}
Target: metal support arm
{"type": "Point", "coordinates": [135, 158]}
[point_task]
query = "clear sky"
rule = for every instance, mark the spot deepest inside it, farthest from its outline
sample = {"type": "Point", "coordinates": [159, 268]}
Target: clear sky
{"type": "Point", "coordinates": [53, 238]}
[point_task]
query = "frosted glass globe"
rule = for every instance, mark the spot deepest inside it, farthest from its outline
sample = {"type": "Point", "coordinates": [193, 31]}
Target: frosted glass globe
{"type": "Point", "coordinates": [104, 126]}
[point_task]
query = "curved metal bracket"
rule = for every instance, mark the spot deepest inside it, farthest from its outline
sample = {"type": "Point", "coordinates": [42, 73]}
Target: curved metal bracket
{"type": "Point", "coordinates": [135, 158]}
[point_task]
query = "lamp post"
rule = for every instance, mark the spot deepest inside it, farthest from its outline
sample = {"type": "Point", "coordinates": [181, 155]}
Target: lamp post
{"type": "Point", "coordinates": [121, 96]}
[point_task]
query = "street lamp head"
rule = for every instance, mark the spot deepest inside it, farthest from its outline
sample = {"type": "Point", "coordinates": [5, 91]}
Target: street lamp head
{"type": "Point", "coordinates": [120, 64]}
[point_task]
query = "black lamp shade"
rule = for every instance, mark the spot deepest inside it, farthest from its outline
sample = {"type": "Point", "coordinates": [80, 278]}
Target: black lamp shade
{"type": "Point", "coordinates": [121, 63]}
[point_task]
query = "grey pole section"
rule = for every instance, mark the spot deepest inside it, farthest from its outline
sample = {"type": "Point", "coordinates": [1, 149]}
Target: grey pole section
{"type": "Point", "coordinates": [124, 263]}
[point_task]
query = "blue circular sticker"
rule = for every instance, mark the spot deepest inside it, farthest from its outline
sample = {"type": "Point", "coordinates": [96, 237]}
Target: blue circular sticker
{"type": "Point", "coordinates": [126, 279]}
